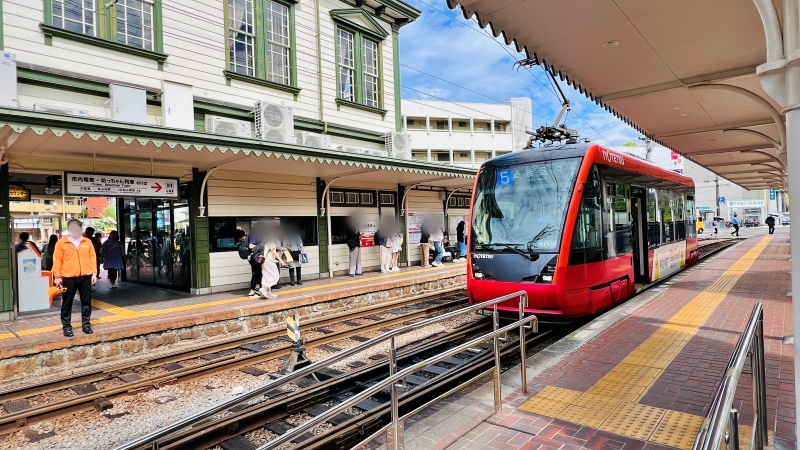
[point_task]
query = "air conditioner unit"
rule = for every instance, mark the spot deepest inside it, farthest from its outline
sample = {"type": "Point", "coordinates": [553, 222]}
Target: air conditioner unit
{"type": "Point", "coordinates": [398, 145]}
{"type": "Point", "coordinates": [381, 153]}
{"type": "Point", "coordinates": [274, 122]}
{"type": "Point", "coordinates": [352, 149]}
{"type": "Point", "coordinates": [63, 110]}
{"type": "Point", "coordinates": [313, 140]}
{"type": "Point", "coordinates": [228, 127]}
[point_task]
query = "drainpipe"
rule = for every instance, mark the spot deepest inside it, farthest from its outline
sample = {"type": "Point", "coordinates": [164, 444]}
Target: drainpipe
{"type": "Point", "coordinates": [319, 68]}
{"type": "Point", "coordinates": [202, 208]}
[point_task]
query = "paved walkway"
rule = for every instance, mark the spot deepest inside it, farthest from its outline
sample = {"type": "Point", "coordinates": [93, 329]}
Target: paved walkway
{"type": "Point", "coordinates": [647, 381]}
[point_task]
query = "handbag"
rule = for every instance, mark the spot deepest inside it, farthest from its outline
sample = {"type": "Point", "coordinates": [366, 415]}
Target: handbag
{"type": "Point", "coordinates": [303, 258]}
{"type": "Point", "coordinates": [287, 256]}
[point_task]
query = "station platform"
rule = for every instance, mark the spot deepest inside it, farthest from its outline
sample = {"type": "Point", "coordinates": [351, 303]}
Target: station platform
{"type": "Point", "coordinates": [643, 375]}
{"type": "Point", "coordinates": [135, 322]}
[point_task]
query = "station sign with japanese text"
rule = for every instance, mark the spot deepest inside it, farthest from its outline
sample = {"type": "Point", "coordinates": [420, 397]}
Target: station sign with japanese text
{"type": "Point", "coordinates": [745, 203]}
{"type": "Point", "coordinates": [87, 184]}
{"type": "Point", "coordinates": [19, 194]}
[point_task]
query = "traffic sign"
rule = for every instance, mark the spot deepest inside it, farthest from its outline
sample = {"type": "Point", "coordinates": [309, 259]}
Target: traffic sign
{"type": "Point", "coordinates": [293, 328]}
{"type": "Point", "coordinates": [721, 199]}
{"type": "Point", "coordinates": [772, 194]}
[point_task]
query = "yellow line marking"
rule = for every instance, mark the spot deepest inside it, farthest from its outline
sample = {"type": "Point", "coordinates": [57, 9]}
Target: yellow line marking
{"type": "Point", "coordinates": [119, 313]}
{"type": "Point", "coordinates": [612, 404]}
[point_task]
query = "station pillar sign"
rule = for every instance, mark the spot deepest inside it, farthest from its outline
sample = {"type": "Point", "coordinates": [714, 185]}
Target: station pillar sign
{"type": "Point", "coordinates": [772, 194]}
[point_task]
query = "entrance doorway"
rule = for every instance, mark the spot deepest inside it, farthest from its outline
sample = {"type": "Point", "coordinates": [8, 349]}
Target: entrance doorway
{"type": "Point", "coordinates": [157, 246]}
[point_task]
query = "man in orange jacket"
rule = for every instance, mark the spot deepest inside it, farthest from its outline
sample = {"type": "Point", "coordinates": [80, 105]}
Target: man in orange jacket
{"type": "Point", "coordinates": [75, 267]}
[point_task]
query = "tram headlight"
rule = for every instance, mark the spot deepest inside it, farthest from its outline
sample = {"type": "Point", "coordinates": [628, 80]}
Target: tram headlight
{"type": "Point", "coordinates": [548, 271]}
{"type": "Point", "coordinates": [547, 278]}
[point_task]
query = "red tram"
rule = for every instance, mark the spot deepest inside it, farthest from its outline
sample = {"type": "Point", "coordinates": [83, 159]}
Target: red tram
{"type": "Point", "coordinates": [579, 227]}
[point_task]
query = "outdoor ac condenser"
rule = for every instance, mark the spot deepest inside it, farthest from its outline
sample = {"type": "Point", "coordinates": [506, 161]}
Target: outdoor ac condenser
{"type": "Point", "coordinates": [398, 145]}
{"type": "Point", "coordinates": [352, 149]}
{"type": "Point", "coordinates": [228, 127]}
{"type": "Point", "coordinates": [63, 110]}
{"type": "Point", "coordinates": [274, 122]}
{"type": "Point", "coordinates": [313, 140]}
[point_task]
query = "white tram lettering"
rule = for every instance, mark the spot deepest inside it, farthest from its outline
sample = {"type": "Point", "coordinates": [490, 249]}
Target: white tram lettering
{"type": "Point", "coordinates": [482, 256]}
{"type": "Point", "coordinates": [610, 157]}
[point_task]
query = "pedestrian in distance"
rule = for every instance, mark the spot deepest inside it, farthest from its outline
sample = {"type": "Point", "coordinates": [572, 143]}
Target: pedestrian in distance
{"type": "Point", "coordinates": [354, 246]}
{"type": "Point", "coordinates": [89, 234]}
{"type": "Point", "coordinates": [397, 246]}
{"type": "Point", "coordinates": [462, 242]}
{"type": "Point", "coordinates": [716, 225]}
{"type": "Point", "coordinates": [424, 243]}
{"type": "Point", "coordinates": [270, 272]}
{"type": "Point", "coordinates": [47, 253]}
{"type": "Point", "coordinates": [437, 236]}
{"type": "Point", "coordinates": [771, 224]}
{"type": "Point", "coordinates": [75, 268]}
{"type": "Point", "coordinates": [735, 222]}
{"type": "Point", "coordinates": [112, 252]}
{"type": "Point", "coordinates": [23, 242]}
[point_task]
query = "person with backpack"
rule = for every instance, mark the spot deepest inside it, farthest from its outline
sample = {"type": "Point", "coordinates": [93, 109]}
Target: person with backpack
{"type": "Point", "coordinates": [246, 249]}
{"type": "Point", "coordinates": [735, 222]}
{"type": "Point", "coordinates": [771, 224]}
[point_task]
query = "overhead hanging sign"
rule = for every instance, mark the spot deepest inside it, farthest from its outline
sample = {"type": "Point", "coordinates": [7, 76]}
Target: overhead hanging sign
{"type": "Point", "coordinates": [120, 185]}
{"type": "Point", "coordinates": [745, 203]}
{"type": "Point", "coordinates": [19, 194]}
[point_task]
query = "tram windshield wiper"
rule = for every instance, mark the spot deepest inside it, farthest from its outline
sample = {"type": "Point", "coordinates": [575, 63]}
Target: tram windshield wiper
{"type": "Point", "coordinates": [513, 248]}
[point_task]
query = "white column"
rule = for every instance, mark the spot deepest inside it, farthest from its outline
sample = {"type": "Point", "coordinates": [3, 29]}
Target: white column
{"type": "Point", "coordinates": [450, 130]}
{"type": "Point", "coordinates": [472, 141]}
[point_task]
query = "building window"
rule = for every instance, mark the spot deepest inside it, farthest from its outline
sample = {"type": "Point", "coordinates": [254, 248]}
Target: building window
{"type": "Point", "coordinates": [370, 52]}
{"type": "Point", "coordinates": [75, 15]}
{"type": "Point", "coordinates": [69, 203]}
{"type": "Point", "coordinates": [36, 200]}
{"type": "Point", "coordinates": [347, 65]}
{"type": "Point", "coordinates": [131, 23]}
{"type": "Point", "coordinates": [260, 48]}
{"type": "Point", "coordinates": [501, 127]}
{"type": "Point", "coordinates": [135, 23]}
{"type": "Point", "coordinates": [353, 197]}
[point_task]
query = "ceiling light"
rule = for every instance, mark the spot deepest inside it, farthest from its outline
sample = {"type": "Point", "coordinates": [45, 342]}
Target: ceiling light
{"type": "Point", "coordinates": [684, 114]}
{"type": "Point", "coordinates": [610, 44]}
{"type": "Point", "coordinates": [122, 146]}
{"type": "Point", "coordinates": [676, 107]}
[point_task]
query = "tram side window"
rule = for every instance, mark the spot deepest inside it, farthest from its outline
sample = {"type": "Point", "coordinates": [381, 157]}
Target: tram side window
{"type": "Point", "coordinates": [617, 224]}
{"type": "Point", "coordinates": [680, 222]}
{"type": "Point", "coordinates": [587, 244]}
{"type": "Point", "coordinates": [666, 203]}
{"type": "Point", "coordinates": [653, 224]}
{"type": "Point", "coordinates": [691, 222]}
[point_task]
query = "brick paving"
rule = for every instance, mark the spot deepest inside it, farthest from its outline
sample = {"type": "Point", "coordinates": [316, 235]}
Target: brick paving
{"type": "Point", "coordinates": [689, 381]}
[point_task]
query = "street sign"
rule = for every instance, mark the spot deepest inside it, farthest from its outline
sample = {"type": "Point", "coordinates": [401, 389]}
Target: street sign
{"type": "Point", "coordinates": [721, 199]}
{"type": "Point", "coordinates": [87, 184]}
{"type": "Point", "coordinates": [19, 194]}
{"type": "Point", "coordinates": [772, 194]}
{"type": "Point", "coordinates": [293, 328]}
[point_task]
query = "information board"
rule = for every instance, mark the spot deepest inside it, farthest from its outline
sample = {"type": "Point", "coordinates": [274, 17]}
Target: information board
{"type": "Point", "coordinates": [120, 186]}
{"type": "Point", "coordinates": [415, 220]}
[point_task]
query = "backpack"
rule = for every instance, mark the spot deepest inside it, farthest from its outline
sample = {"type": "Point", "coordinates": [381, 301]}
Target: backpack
{"type": "Point", "coordinates": [243, 247]}
{"type": "Point", "coordinates": [377, 239]}
{"type": "Point", "coordinates": [257, 254]}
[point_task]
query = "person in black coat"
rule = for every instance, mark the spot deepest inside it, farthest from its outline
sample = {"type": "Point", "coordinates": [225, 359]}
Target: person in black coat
{"type": "Point", "coordinates": [354, 245]}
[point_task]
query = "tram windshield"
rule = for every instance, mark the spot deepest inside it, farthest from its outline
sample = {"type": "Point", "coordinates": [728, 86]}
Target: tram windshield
{"type": "Point", "coordinates": [521, 208]}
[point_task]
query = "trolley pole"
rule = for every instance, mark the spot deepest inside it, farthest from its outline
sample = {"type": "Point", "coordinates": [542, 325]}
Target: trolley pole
{"type": "Point", "coordinates": [716, 181]}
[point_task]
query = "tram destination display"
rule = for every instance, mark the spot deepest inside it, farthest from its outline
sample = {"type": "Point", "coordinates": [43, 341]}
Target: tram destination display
{"type": "Point", "coordinates": [120, 185]}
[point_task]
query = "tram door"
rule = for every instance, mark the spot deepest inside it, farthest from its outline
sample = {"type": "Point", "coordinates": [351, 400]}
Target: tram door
{"type": "Point", "coordinates": [639, 234]}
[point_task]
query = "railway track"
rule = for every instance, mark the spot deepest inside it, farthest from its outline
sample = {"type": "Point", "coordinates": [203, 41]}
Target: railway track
{"type": "Point", "coordinates": [26, 406]}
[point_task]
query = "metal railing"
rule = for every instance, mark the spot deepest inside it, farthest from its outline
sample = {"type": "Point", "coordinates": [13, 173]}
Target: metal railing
{"type": "Point", "coordinates": [721, 425]}
{"type": "Point", "coordinates": [152, 439]}
{"type": "Point", "coordinates": [396, 431]}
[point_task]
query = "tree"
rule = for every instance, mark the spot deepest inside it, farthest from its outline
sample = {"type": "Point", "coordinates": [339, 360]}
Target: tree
{"type": "Point", "coordinates": [110, 212]}
{"type": "Point", "coordinates": [630, 144]}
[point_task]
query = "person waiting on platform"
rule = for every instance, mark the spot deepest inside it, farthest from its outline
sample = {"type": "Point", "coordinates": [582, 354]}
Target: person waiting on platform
{"type": "Point", "coordinates": [383, 243]}
{"type": "Point", "coordinates": [47, 253]}
{"type": "Point", "coordinates": [354, 247]}
{"type": "Point", "coordinates": [437, 236]}
{"type": "Point", "coordinates": [23, 242]}
{"type": "Point", "coordinates": [462, 242]}
{"type": "Point", "coordinates": [397, 246]}
{"type": "Point", "coordinates": [294, 244]}
{"type": "Point", "coordinates": [89, 234]}
{"type": "Point", "coordinates": [770, 223]}
{"type": "Point", "coordinates": [270, 273]}
{"type": "Point", "coordinates": [735, 222]}
{"type": "Point", "coordinates": [254, 240]}
{"type": "Point", "coordinates": [111, 251]}
{"type": "Point", "coordinates": [424, 243]}
{"type": "Point", "coordinates": [75, 268]}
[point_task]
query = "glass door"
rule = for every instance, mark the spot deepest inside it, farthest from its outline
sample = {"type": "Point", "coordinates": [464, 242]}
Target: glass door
{"type": "Point", "coordinates": [162, 246]}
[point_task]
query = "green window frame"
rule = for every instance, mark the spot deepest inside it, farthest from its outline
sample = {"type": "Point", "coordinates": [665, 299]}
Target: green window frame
{"type": "Point", "coordinates": [260, 43]}
{"type": "Point", "coordinates": [129, 26]}
{"type": "Point", "coordinates": [359, 62]}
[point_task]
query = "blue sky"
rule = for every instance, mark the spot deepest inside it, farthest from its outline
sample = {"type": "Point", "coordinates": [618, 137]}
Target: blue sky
{"type": "Point", "coordinates": [456, 50]}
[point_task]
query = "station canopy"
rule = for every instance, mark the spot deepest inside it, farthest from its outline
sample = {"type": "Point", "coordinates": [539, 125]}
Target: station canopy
{"type": "Point", "coordinates": [658, 65]}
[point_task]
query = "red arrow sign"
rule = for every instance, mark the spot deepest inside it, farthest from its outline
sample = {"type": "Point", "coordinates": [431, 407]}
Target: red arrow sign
{"type": "Point", "coordinates": [157, 187]}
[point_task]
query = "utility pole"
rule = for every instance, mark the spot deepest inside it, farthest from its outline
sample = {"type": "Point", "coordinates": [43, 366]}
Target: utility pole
{"type": "Point", "coordinates": [648, 148]}
{"type": "Point", "coordinates": [716, 181]}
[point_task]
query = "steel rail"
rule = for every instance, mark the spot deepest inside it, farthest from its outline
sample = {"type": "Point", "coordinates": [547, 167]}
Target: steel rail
{"type": "Point", "coordinates": [392, 381]}
{"type": "Point", "coordinates": [151, 440]}
{"type": "Point", "coordinates": [721, 424]}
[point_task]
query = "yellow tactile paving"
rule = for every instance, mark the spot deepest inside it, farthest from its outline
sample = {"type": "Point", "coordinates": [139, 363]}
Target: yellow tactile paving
{"type": "Point", "coordinates": [558, 394]}
{"type": "Point", "coordinates": [612, 402]}
{"type": "Point", "coordinates": [632, 420]}
{"type": "Point", "coordinates": [119, 313]}
{"type": "Point", "coordinates": [583, 416]}
{"type": "Point", "coordinates": [677, 430]}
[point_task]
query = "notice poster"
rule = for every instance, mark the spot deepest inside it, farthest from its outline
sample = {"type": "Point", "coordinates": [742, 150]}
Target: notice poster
{"type": "Point", "coordinates": [368, 229]}
{"type": "Point", "coordinates": [415, 220]}
{"type": "Point", "coordinates": [667, 260]}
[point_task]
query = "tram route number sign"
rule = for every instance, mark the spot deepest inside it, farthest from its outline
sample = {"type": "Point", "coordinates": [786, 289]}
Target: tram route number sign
{"type": "Point", "coordinates": [120, 185]}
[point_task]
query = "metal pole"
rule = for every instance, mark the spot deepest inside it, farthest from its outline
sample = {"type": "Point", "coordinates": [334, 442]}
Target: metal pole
{"type": "Point", "coordinates": [498, 394]}
{"type": "Point", "coordinates": [758, 367]}
{"type": "Point", "coordinates": [716, 181]}
{"type": "Point", "coordinates": [396, 440]}
{"type": "Point", "coordinates": [733, 431]}
{"type": "Point", "coordinates": [523, 368]}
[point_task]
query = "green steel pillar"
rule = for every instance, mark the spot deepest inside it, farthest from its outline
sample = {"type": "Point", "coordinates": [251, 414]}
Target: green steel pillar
{"type": "Point", "coordinates": [322, 229]}
{"type": "Point", "coordinates": [200, 258]}
{"type": "Point", "coordinates": [6, 242]}
{"type": "Point", "coordinates": [401, 190]}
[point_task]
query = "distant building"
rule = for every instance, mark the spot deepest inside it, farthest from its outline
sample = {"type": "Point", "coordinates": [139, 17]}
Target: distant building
{"type": "Point", "coordinates": [466, 134]}
{"type": "Point", "coordinates": [95, 206]}
{"type": "Point", "coordinates": [660, 156]}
